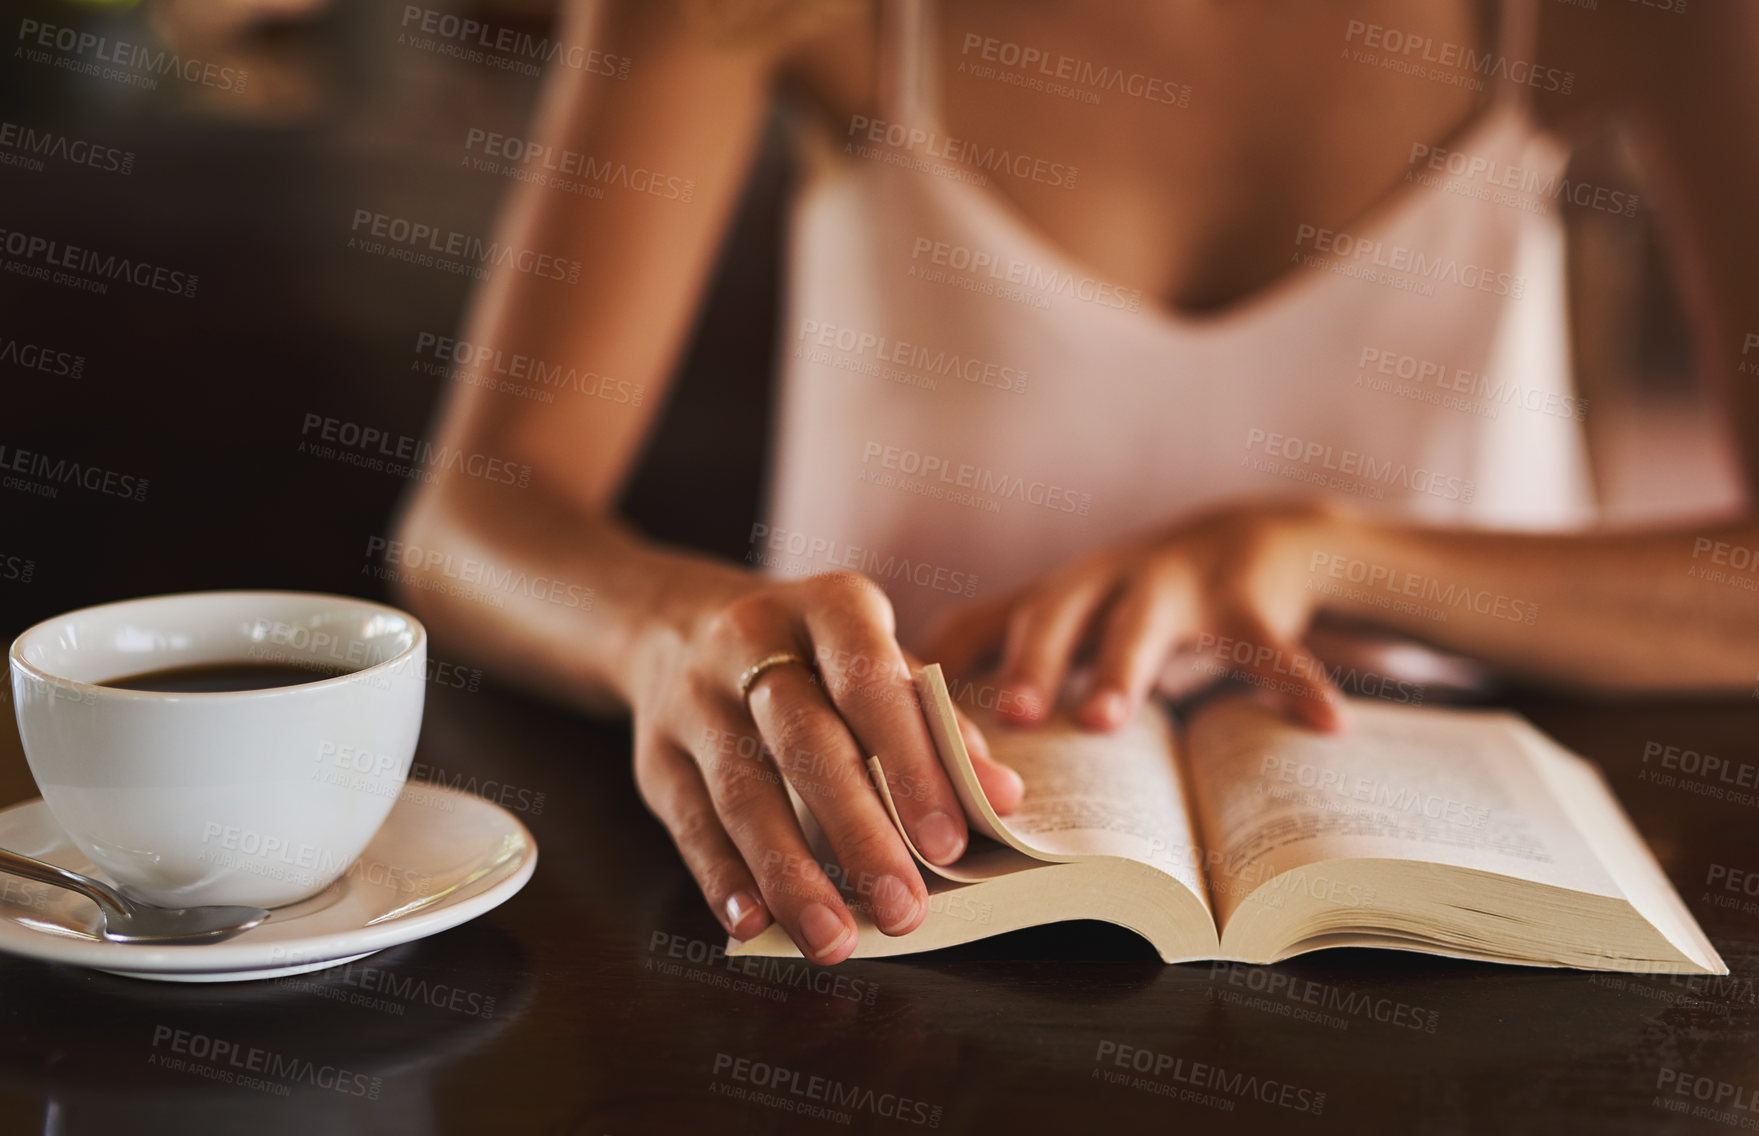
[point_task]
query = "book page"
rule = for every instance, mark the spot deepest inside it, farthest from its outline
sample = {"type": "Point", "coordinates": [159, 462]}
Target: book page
{"type": "Point", "coordinates": [1590, 801]}
{"type": "Point", "coordinates": [1101, 794]}
{"type": "Point", "coordinates": [1443, 786]}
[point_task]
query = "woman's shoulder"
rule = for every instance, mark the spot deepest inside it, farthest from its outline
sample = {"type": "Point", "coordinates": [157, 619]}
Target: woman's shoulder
{"type": "Point", "coordinates": [787, 37]}
{"type": "Point", "coordinates": [819, 52]}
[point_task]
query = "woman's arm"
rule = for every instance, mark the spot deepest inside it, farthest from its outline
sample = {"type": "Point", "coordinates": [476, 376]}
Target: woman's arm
{"type": "Point", "coordinates": [544, 583]}
{"type": "Point", "coordinates": [691, 110]}
{"type": "Point", "coordinates": [1617, 612]}
{"type": "Point", "coordinates": [1238, 588]}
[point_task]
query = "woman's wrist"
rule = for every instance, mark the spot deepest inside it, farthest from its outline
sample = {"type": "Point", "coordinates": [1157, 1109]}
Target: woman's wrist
{"type": "Point", "coordinates": [680, 594]}
{"type": "Point", "coordinates": [1339, 552]}
{"type": "Point", "coordinates": [1375, 568]}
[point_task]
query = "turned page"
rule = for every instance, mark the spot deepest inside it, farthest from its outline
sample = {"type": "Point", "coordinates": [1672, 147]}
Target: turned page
{"type": "Point", "coordinates": [1442, 786]}
{"type": "Point", "coordinates": [1104, 794]}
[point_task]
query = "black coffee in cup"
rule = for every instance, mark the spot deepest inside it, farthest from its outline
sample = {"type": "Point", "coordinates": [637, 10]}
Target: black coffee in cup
{"type": "Point", "coordinates": [213, 678]}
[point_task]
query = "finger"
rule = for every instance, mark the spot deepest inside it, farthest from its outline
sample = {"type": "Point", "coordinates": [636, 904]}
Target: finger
{"type": "Point", "coordinates": [1290, 676]}
{"type": "Point", "coordinates": [754, 808]}
{"type": "Point", "coordinates": [817, 755]}
{"type": "Point", "coordinates": [1043, 634]}
{"type": "Point", "coordinates": [1142, 625]}
{"type": "Point", "coordinates": [1001, 785]}
{"type": "Point", "coordinates": [673, 789]}
{"type": "Point", "coordinates": [871, 685]}
{"type": "Point", "coordinates": [969, 634]}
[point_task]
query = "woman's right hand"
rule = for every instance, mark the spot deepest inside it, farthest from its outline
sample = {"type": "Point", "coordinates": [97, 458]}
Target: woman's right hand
{"type": "Point", "coordinates": [712, 764]}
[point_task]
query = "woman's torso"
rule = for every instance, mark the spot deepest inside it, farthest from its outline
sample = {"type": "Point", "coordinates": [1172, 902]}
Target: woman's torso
{"type": "Point", "coordinates": [1095, 283]}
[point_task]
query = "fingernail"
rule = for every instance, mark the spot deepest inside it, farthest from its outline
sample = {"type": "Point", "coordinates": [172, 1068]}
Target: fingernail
{"type": "Point", "coordinates": [1108, 708]}
{"type": "Point", "coordinates": [938, 838]}
{"type": "Point", "coordinates": [741, 906]}
{"type": "Point", "coordinates": [894, 905]}
{"type": "Point", "coordinates": [823, 930]}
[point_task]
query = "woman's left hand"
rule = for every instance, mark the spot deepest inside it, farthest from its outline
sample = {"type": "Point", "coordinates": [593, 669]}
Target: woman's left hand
{"type": "Point", "coordinates": [1235, 582]}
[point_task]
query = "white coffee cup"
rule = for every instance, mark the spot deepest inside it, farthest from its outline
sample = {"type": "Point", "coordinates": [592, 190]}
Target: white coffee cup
{"type": "Point", "coordinates": [261, 796]}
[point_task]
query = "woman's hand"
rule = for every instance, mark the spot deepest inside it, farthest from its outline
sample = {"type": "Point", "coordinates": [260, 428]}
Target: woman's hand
{"type": "Point", "coordinates": [712, 764]}
{"type": "Point", "coordinates": [1230, 588]}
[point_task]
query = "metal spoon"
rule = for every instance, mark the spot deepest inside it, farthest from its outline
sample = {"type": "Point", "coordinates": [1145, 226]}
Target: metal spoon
{"type": "Point", "coordinates": [128, 921]}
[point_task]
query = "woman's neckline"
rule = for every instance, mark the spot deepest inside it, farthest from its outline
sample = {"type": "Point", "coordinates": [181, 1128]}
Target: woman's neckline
{"type": "Point", "coordinates": [907, 83]}
{"type": "Point", "coordinates": [1292, 283]}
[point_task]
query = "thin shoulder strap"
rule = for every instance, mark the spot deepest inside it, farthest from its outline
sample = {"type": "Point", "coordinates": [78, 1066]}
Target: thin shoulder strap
{"type": "Point", "coordinates": [1517, 37]}
{"type": "Point", "coordinates": [907, 60]}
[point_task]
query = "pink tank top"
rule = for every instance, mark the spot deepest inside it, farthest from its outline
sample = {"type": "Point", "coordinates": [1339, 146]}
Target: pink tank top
{"type": "Point", "coordinates": [964, 406]}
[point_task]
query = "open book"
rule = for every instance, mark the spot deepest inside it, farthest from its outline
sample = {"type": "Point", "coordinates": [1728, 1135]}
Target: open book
{"type": "Point", "coordinates": [1453, 832]}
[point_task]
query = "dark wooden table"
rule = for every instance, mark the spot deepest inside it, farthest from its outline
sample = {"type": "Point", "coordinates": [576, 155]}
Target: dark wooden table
{"type": "Point", "coordinates": [596, 1001]}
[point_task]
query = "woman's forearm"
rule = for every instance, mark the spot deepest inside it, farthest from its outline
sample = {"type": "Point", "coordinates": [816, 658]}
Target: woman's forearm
{"type": "Point", "coordinates": [569, 603]}
{"type": "Point", "coordinates": [1674, 609]}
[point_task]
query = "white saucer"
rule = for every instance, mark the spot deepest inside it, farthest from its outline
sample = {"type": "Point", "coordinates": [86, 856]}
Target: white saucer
{"type": "Point", "coordinates": [443, 857]}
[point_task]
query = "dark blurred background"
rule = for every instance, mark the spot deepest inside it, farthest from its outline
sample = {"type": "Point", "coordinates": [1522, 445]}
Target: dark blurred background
{"type": "Point", "coordinates": [254, 191]}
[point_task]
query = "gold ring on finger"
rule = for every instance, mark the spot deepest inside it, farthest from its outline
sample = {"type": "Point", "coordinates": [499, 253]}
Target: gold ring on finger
{"type": "Point", "coordinates": [751, 674]}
